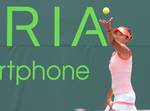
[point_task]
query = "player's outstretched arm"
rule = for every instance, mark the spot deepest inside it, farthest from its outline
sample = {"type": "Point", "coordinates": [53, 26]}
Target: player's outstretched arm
{"type": "Point", "coordinates": [122, 49]}
{"type": "Point", "coordinates": [108, 28]}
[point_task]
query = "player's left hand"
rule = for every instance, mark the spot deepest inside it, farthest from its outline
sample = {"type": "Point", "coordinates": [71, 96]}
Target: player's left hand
{"type": "Point", "coordinates": [107, 24]}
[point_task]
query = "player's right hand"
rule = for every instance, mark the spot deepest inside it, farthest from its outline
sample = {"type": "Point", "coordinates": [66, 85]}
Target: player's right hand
{"type": "Point", "coordinates": [109, 102]}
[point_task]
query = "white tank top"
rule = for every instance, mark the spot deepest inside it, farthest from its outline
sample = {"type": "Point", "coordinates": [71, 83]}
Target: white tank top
{"type": "Point", "coordinates": [121, 74]}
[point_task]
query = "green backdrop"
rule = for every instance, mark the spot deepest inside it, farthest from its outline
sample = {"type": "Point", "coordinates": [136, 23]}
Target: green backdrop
{"type": "Point", "coordinates": [71, 94]}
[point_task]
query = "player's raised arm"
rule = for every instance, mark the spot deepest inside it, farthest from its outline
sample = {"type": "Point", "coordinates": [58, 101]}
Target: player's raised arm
{"type": "Point", "coordinates": [108, 28]}
{"type": "Point", "coordinates": [118, 38]}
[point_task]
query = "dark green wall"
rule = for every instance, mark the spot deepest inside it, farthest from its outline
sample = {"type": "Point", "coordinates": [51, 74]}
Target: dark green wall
{"type": "Point", "coordinates": [67, 95]}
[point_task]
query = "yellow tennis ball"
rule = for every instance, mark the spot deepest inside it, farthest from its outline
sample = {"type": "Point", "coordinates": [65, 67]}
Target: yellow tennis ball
{"type": "Point", "coordinates": [106, 10]}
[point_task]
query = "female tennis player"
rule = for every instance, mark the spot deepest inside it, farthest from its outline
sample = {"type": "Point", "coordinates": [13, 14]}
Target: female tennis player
{"type": "Point", "coordinates": [120, 67]}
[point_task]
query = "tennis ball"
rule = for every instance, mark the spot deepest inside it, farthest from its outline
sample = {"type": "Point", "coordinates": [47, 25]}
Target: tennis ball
{"type": "Point", "coordinates": [106, 10]}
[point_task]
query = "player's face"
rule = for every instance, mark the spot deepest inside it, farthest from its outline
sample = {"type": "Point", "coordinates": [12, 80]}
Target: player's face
{"type": "Point", "coordinates": [121, 38]}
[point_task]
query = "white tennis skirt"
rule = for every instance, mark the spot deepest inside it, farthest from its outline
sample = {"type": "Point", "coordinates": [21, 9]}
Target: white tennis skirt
{"type": "Point", "coordinates": [124, 102]}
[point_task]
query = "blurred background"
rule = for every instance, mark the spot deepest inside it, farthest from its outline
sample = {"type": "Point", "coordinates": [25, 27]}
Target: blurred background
{"type": "Point", "coordinates": [72, 95]}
